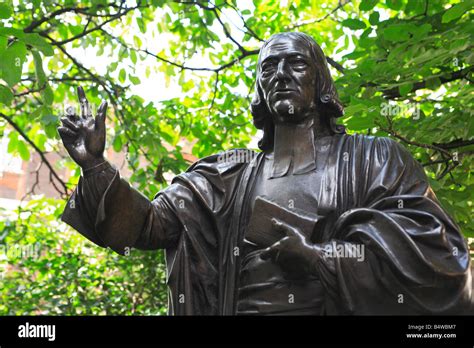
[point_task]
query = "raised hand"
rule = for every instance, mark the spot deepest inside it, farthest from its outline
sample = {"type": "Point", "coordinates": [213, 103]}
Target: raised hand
{"type": "Point", "coordinates": [83, 136]}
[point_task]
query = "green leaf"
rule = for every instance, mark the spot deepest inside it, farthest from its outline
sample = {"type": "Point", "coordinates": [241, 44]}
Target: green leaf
{"type": "Point", "coordinates": [40, 75]}
{"type": "Point", "coordinates": [398, 32]}
{"type": "Point", "coordinates": [7, 31]}
{"type": "Point", "coordinates": [137, 41]}
{"type": "Point", "coordinates": [39, 43]}
{"type": "Point", "coordinates": [63, 31]}
{"type": "Point", "coordinates": [395, 4]}
{"type": "Point", "coordinates": [117, 143]}
{"type": "Point", "coordinates": [141, 25]}
{"type": "Point", "coordinates": [133, 56]}
{"type": "Point", "coordinates": [353, 24]}
{"type": "Point", "coordinates": [422, 31]}
{"type": "Point", "coordinates": [12, 142]}
{"type": "Point", "coordinates": [75, 29]}
{"type": "Point", "coordinates": [367, 5]}
{"type": "Point", "coordinates": [3, 43]}
{"type": "Point", "coordinates": [47, 95]}
{"type": "Point", "coordinates": [433, 83]}
{"type": "Point", "coordinates": [355, 54]}
{"type": "Point", "coordinates": [367, 66]}
{"type": "Point", "coordinates": [456, 11]}
{"type": "Point", "coordinates": [46, 92]}
{"type": "Point", "coordinates": [5, 11]}
{"type": "Point", "coordinates": [355, 109]}
{"type": "Point", "coordinates": [133, 79]}
{"type": "Point", "coordinates": [23, 150]}
{"type": "Point", "coordinates": [358, 123]}
{"type": "Point", "coordinates": [427, 108]}
{"type": "Point", "coordinates": [48, 118]}
{"type": "Point", "coordinates": [122, 75]}
{"type": "Point", "coordinates": [374, 18]}
{"type": "Point", "coordinates": [365, 41]}
{"type": "Point", "coordinates": [11, 63]}
{"type": "Point", "coordinates": [113, 66]}
{"type": "Point", "coordinates": [51, 131]}
{"type": "Point", "coordinates": [415, 7]}
{"type": "Point", "coordinates": [405, 89]}
{"type": "Point", "coordinates": [6, 95]}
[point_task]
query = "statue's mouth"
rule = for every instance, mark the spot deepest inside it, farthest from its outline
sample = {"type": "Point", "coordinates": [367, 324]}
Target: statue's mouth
{"type": "Point", "coordinates": [283, 92]}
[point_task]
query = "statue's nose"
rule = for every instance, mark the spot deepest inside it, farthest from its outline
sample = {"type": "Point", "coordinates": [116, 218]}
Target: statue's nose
{"type": "Point", "coordinates": [282, 74]}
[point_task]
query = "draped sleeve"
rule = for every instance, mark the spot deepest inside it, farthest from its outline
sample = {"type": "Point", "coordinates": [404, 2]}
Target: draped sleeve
{"type": "Point", "coordinates": [109, 212]}
{"type": "Point", "coordinates": [190, 219]}
{"type": "Point", "coordinates": [414, 258]}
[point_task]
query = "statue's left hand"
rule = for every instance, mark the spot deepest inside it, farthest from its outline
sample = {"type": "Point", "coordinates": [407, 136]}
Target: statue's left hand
{"type": "Point", "coordinates": [294, 253]}
{"type": "Point", "coordinates": [84, 136]}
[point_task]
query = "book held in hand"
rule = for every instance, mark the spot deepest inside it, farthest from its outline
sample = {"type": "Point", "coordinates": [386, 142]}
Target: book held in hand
{"type": "Point", "coordinates": [261, 230]}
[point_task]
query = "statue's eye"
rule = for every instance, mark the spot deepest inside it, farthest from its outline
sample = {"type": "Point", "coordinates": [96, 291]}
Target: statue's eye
{"type": "Point", "coordinates": [298, 63]}
{"type": "Point", "coordinates": [268, 67]}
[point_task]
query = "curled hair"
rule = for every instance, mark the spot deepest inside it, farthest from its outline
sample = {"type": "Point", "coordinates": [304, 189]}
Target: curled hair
{"type": "Point", "coordinates": [327, 100]}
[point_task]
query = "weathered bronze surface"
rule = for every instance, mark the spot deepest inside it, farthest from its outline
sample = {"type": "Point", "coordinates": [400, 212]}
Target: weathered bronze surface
{"type": "Point", "coordinates": [343, 224]}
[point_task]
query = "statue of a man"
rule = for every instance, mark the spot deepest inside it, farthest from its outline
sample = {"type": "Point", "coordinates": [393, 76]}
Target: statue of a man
{"type": "Point", "coordinates": [378, 243]}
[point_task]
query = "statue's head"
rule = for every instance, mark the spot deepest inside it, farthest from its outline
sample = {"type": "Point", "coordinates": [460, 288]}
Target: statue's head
{"type": "Point", "coordinates": [293, 84]}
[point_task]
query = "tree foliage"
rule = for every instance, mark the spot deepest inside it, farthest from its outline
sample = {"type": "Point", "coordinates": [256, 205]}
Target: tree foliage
{"type": "Point", "coordinates": [402, 68]}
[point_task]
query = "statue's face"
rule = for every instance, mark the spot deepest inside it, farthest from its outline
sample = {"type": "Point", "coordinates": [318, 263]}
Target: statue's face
{"type": "Point", "coordinates": [288, 80]}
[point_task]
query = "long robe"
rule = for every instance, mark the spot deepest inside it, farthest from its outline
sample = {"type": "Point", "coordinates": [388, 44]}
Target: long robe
{"type": "Point", "coordinates": [375, 193]}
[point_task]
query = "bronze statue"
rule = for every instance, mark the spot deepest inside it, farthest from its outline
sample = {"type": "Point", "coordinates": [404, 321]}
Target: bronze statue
{"type": "Point", "coordinates": [320, 222]}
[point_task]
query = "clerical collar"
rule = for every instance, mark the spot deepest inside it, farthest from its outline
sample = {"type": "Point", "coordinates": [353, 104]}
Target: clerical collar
{"type": "Point", "coordinates": [294, 149]}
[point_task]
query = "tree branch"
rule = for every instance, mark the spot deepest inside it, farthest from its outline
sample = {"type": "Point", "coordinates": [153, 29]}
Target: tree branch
{"type": "Point", "coordinates": [33, 25]}
{"type": "Point", "coordinates": [341, 4]}
{"type": "Point", "coordinates": [394, 92]}
{"type": "Point", "coordinates": [391, 130]}
{"type": "Point", "coordinates": [245, 53]}
{"type": "Point", "coordinates": [76, 9]}
{"type": "Point", "coordinates": [88, 31]}
{"type": "Point", "coordinates": [249, 30]}
{"type": "Point", "coordinates": [455, 144]}
{"type": "Point", "coordinates": [31, 191]}
{"type": "Point", "coordinates": [335, 64]}
{"type": "Point", "coordinates": [447, 158]}
{"type": "Point", "coordinates": [29, 91]}
{"type": "Point", "coordinates": [214, 94]}
{"type": "Point", "coordinates": [40, 153]}
{"type": "Point", "coordinates": [226, 32]}
{"type": "Point", "coordinates": [182, 66]}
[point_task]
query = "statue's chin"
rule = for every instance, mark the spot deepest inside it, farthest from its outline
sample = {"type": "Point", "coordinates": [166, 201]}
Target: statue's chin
{"type": "Point", "coordinates": [287, 115]}
{"type": "Point", "coordinates": [288, 110]}
{"type": "Point", "coordinates": [286, 118]}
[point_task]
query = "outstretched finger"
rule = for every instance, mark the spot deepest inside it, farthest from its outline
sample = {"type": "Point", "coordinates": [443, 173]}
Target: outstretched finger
{"type": "Point", "coordinates": [84, 103]}
{"type": "Point", "coordinates": [66, 134]}
{"type": "Point", "coordinates": [285, 228]}
{"type": "Point", "coordinates": [67, 122]}
{"type": "Point", "coordinates": [100, 118]}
